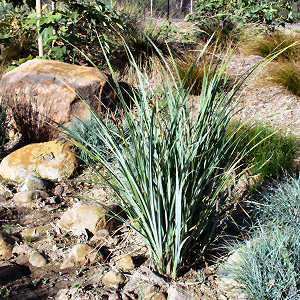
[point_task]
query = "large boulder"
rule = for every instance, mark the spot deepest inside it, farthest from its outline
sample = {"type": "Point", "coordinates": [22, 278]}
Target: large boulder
{"type": "Point", "coordinates": [53, 161]}
{"type": "Point", "coordinates": [43, 91]}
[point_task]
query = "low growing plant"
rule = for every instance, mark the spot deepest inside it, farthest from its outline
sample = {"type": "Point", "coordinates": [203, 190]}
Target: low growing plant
{"type": "Point", "coordinates": [281, 205]}
{"type": "Point", "coordinates": [269, 43]}
{"type": "Point", "coordinates": [88, 131]}
{"type": "Point", "coordinates": [192, 71]}
{"type": "Point", "coordinates": [270, 151]}
{"type": "Point", "coordinates": [268, 265]}
{"type": "Point", "coordinates": [286, 74]}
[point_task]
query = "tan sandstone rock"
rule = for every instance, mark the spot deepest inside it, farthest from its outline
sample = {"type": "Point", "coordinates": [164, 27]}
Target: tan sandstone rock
{"type": "Point", "coordinates": [125, 263]}
{"type": "Point", "coordinates": [36, 259]}
{"type": "Point", "coordinates": [5, 249]}
{"type": "Point", "coordinates": [32, 183]}
{"type": "Point", "coordinates": [28, 199]}
{"type": "Point", "coordinates": [55, 89]}
{"type": "Point", "coordinates": [113, 279]}
{"type": "Point", "coordinates": [51, 160]}
{"type": "Point", "coordinates": [82, 217]}
{"type": "Point", "coordinates": [79, 255]}
{"type": "Point", "coordinates": [152, 292]}
{"type": "Point", "coordinates": [35, 233]}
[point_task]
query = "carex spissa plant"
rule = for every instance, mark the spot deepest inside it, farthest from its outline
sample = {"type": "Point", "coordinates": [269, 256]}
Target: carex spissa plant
{"type": "Point", "coordinates": [171, 168]}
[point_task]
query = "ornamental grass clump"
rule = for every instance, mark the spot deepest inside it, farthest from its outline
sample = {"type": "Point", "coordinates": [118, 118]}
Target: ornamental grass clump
{"type": "Point", "coordinates": [191, 72]}
{"type": "Point", "coordinates": [268, 265]}
{"type": "Point", "coordinates": [170, 169]}
{"type": "Point", "coordinates": [270, 151]}
{"type": "Point", "coordinates": [270, 43]}
{"type": "Point", "coordinates": [286, 74]}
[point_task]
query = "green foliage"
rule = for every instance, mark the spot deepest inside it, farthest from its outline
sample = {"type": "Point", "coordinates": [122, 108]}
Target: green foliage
{"type": "Point", "coordinates": [171, 170]}
{"type": "Point", "coordinates": [13, 37]}
{"type": "Point", "coordinates": [269, 43]}
{"type": "Point", "coordinates": [88, 131]}
{"type": "Point", "coordinates": [269, 151]}
{"type": "Point", "coordinates": [227, 18]}
{"type": "Point", "coordinates": [243, 11]}
{"type": "Point", "coordinates": [269, 263]}
{"type": "Point", "coordinates": [281, 205]}
{"type": "Point", "coordinates": [287, 74]}
{"type": "Point", "coordinates": [73, 23]}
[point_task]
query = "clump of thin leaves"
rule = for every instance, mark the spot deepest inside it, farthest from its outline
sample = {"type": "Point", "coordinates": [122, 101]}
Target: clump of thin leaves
{"type": "Point", "coordinates": [87, 131]}
{"type": "Point", "coordinates": [172, 169]}
{"type": "Point", "coordinates": [282, 205]}
{"type": "Point", "coordinates": [269, 263]}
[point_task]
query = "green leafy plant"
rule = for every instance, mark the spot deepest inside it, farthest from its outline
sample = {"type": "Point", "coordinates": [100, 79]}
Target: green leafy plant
{"type": "Point", "coordinates": [270, 152]}
{"type": "Point", "coordinates": [171, 171]}
{"type": "Point", "coordinates": [14, 39]}
{"type": "Point", "coordinates": [73, 23]}
{"type": "Point", "coordinates": [244, 11]}
{"type": "Point", "coordinates": [88, 131]}
{"type": "Point", "coordinates": [227, 18]}
{"type": "Point", "coordinates": [286, 74]}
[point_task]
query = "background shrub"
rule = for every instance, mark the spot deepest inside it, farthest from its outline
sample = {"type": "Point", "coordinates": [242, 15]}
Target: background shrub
{"type": "Point", "coordinates": [247, 10]}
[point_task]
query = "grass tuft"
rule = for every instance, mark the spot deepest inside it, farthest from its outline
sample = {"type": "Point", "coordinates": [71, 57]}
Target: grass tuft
{"type": "Point", "coordinates": [268, 265]}
{"type": "Point", "coordinates": [33, 126]}
{"type": "Point", "coordinates": [171, 169]}
{"type": "Point", "coordinates": [286, 74]}
{"type": "Point", "coordinates": [192, 71]}
{"type": "Point", "coordinates": [269, 151]}
{"type": "Point", "coordinates": [88, 131]}
{"type": "Point", "coordinates": [281, 205]}
{"type": "Point", "coordinates": [270, 43]}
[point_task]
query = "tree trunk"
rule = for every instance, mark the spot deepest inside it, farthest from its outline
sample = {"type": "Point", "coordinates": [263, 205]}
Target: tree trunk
{"type": "Point", "coordinates": [151, 8]}
{"type": "Point", "coordinates": [40, 40]}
